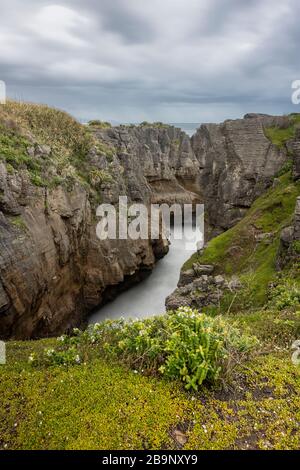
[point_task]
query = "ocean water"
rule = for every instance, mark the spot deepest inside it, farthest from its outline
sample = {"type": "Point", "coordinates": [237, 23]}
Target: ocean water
{"type": "Point", "coordinates": [188, 127]}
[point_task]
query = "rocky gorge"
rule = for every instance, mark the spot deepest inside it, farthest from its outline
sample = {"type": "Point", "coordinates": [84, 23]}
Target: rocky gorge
{"type": "Point", "coordinates": [54, 172]}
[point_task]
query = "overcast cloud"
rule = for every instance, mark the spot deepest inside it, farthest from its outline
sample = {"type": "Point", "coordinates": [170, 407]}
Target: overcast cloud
{"type": "Point", "coordinates": [169, 60]}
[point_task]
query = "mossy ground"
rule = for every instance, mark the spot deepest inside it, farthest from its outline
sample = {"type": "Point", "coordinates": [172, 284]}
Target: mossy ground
{"type": "Point", "coordinates": [103, 405]}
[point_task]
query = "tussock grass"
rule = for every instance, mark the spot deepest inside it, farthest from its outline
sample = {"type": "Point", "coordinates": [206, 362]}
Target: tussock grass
{"type": "Point", "coordinates": [48, 125]}
{"type": "Point", "coordinates": [24, 126]}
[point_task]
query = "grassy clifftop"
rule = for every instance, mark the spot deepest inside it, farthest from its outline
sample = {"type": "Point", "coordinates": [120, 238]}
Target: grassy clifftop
{"type": "Point", "coordinates": [249, 249]}
{"type": "Point", "coordinates": [50, 145]}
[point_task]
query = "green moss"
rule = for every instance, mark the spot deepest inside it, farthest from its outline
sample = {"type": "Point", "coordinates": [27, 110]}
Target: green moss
{"type": "Point", "coordinates": [237, 251]}
{"type": "Point", "coordinates": [273, 329]}
{"type": "Point", "coordinates": [254, 420]}
{"type": "Point", "coordinates": [18, 222]}
{"type": "Point", "coordinates": [37, 180]}
{"type": "Point", "coordinates": [279, 136]}
{"type": "Point", "coordinates": [97, 406]}
{"type": "Point", "coordinates": [102, 405]}
{"type": "Point", "coordinates": [296, 246]}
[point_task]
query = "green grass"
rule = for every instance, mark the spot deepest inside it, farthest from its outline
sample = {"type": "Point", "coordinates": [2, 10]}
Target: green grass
{"type": "Point", "coordinates": [99, 124]}
{"type": "Point", "coordinates": [25, 125]}
{"type": "Point", "coordinates": [236, 251]}
{"type": "Point", "coordinates": [157, 124]}
{"type": "Point", "coordinates": [279, 136]}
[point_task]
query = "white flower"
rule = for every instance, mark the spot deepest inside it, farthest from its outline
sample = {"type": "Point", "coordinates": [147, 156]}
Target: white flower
{"type": "Point", "coordinates": [31, 358]}
{"type": "Point", "coordinates": [50, 352]}
{"type": "Point", "coordinates": [77, 359]}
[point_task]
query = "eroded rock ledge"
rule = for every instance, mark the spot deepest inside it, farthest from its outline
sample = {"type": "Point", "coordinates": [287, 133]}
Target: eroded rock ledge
{"type": "Point", "coordinates": [54, 270]}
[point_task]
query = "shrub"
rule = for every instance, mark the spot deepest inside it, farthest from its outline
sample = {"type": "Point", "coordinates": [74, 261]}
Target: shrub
{"type": "Point", "coordinates": [182, 344]}
{"type": "Point", "coordinates": [100, 124]}
{"type": "Point", "coordinates": [296, 247]}
{"type": "Point", "coordinates": [284, 295]}
{"type": "Point", "coordinates": [97, 177]}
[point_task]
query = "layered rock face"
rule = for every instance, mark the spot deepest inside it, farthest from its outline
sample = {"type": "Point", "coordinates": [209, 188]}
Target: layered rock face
{"type": "Point", "coordinates": [237, 163]}
{"type": "Point", "coordinates": [289, 249]}
{"type": "Point", "coordinates": [53, 268]}
{"type": "Point", "coordinates": [295, 149]}
{"type": "Point", "coordinates": [158, 160]}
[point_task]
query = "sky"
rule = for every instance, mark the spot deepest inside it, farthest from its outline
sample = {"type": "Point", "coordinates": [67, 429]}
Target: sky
{"type": "Point", "coordinates": [158, 60]}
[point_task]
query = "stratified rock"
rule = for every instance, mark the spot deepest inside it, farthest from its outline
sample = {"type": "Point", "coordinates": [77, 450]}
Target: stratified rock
{"type": "Point", "coordinates": [237, 163]}
{"type": "Point", "coordinates": [173, 302]}
{"type": "Point", "coordinates": [186, 277]}
{"type": "Point", "coordinates": [200, 269]}
{"type": "Point", "coordinates": [219, 280]}
{"type": "Point", "coordinates": [289, 237]}
{"type": "Point", "coordinates": [158, 160]}
{"type": "Point", "coordinates": [297, 220]}
{"type": "Point", "coordinates": [53, 268]}
{"type": "Point", "coordinates": [202, 291]}
{"type": "Point", "coordinates": [295, 146]}
{"type": "Point", "coordinates": [4, 300]}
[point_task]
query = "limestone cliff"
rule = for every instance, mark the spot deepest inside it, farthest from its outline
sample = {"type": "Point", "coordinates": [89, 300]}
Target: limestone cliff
{"type": "Point", "coordinates": [237, 163]}
{"type": "Point", "coordinates": [53, 268]}
{"type": "Point", "coordinates": [158, 160]}
{"type": "Point", "coordinates": [53, 174]}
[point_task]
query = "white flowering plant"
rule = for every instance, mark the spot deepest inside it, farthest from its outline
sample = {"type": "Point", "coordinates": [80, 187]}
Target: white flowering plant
{"type": "Point", "coordinates": [183, 344]}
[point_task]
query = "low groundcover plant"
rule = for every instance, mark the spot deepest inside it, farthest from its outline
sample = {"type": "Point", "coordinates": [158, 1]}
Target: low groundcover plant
{"type": "Point", "coordinates": [183, 344]}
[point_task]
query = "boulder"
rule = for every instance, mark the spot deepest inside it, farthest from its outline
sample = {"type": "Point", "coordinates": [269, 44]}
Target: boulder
{"type": "Point", "coordinates": [200, 269]}
{"type": "Point", "coordinates": [186, 277]}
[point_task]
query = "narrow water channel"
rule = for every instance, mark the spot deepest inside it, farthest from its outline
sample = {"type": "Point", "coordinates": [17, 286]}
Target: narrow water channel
{"type": "Point", "coordinates": [148, 297]}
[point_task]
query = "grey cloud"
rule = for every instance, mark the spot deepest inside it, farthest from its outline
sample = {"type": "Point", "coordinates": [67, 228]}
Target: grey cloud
{"type": "Point", "coordinates": [185, 60]}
